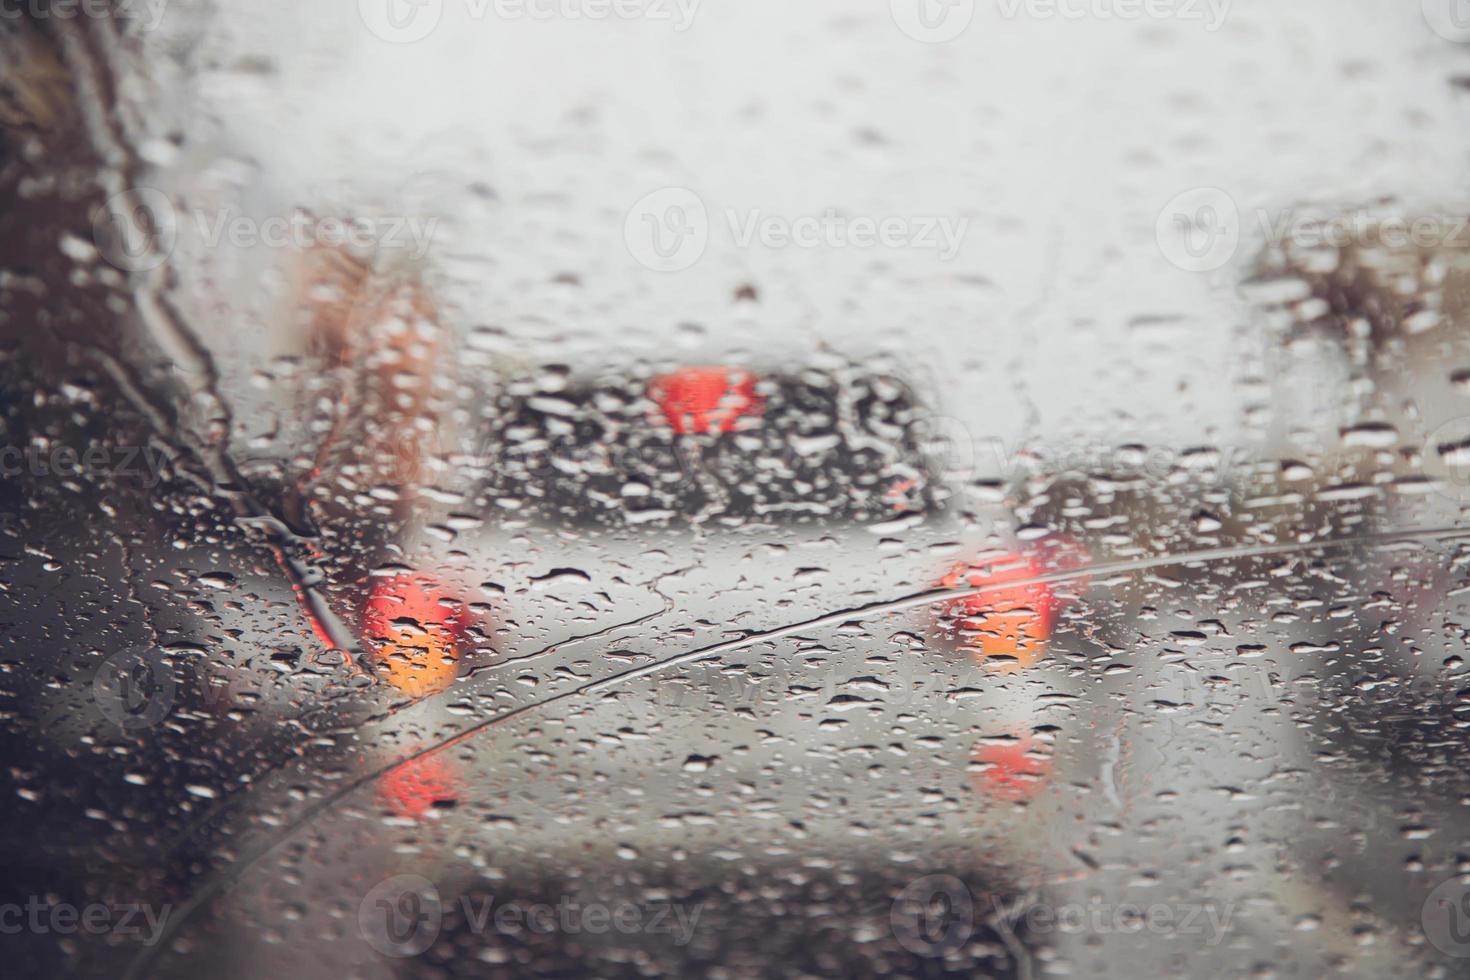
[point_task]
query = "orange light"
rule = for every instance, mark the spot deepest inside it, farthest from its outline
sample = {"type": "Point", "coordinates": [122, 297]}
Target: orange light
{"type": "Point", "coordinates": [1008, 628]}
{"type": "Point", "coordinates": [411, 789]}
{"type": "Point", "coordinates": [705, 400]}
{"type": "Point", "coordinates": [415, 631]}
{"type": "Point", "coordinates": [1014, 771]}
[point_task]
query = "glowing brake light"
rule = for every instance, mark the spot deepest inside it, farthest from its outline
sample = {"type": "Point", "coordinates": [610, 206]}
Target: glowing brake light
{"type": "Point", "coordinates": [1007, 627]}
{"type": "Point", "coordinates": [1014, 771]}
{"type": "Point", "coordinates": [413, 788]}
{"type": "Point", "coordinates": [415, 631]}
{"type": "Point", "coordinates": [705, 400]}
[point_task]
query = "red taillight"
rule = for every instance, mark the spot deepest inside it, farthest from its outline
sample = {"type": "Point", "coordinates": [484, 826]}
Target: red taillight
{"type": "Point", "coordinates": [1014, 771]}
{"type": "Point", "coordinates": [1009, 626]}
{"type": "Point", "coordinates": [998, 571]}
{"type": "Point", "coordinates": [705, 400]}
{"type": "Point", "coordinates": [415, 628]}
{"type": "Point", "coordinates": [412, 788]}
